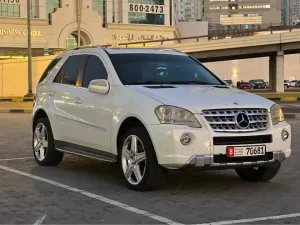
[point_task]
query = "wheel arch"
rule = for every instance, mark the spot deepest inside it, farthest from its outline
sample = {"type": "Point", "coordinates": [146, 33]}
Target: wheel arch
{"type": "Point", "coordinates": [40, 113]}
{"type": "Point", "coordinates": [126, 124]}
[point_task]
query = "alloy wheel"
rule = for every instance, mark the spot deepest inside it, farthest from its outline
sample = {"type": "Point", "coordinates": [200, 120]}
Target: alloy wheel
{"type": "Point", "coordinates": [40, 142]}
{"type": "Point", "coordinates": [133, 159]}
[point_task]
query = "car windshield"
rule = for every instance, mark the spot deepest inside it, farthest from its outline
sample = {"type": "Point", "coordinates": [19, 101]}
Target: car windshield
{"type": "Point", "coordinates": [140, 69]}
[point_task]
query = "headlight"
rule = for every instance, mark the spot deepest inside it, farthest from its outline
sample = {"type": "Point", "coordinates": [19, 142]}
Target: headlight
{"type": "Point", "coordinates": [175, 115]}
{"type": "Point", "coordinates": [276, 114]}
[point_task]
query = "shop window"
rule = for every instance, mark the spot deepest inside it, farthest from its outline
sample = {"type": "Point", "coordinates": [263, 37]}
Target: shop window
{"type": "Point", "coordinates": [10, 10]}
{"type": "Point", "coordinates": [72, 41]}
{"type": "Point", "coordinates": [150, 2]}
{"type": "Point", "coordinates": [146, 18]}
{"type": "Point", "coordinates": [51, 6]}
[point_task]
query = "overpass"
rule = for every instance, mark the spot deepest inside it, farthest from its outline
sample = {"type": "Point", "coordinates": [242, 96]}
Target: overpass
{"type": "Point", "coordinates": [274, 46]}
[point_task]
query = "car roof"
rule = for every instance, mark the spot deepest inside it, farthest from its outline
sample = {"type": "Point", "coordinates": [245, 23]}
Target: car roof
{"type": "Point", "coordinates": [143, 51]}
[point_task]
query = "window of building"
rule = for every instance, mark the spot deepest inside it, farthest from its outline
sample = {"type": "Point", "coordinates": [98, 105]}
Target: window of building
{"type": "Point", "coordinates": [10, 10]}
{"type": "Point", "coordinates": [72, 41]}
{"type": "Point", "coordinates": [75, 64]}
{"type": "Point", "coordinates": [146, 18]}
{"type": "Point", "coordinates": [35, 9]}
{"type": "Point", "coordinates": [51, 6]}
{"type": "Point", "coordinates": [150, 2]}
{"type": "Point", "coordinates": [94, 70]}
{"type": "Point", "coordinates": [100, 7]}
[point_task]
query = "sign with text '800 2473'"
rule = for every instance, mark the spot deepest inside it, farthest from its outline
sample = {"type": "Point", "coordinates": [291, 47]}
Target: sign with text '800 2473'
{"type": "Point", "coordinates": [146, 8]}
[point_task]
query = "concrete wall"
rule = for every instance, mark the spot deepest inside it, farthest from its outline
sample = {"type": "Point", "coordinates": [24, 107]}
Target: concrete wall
{"type": "Point", "coordinates": [13, 73]}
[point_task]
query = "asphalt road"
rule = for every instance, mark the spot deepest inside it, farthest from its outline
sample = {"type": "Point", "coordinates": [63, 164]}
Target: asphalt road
{"type": "Point", "coordinates": [83, 191]}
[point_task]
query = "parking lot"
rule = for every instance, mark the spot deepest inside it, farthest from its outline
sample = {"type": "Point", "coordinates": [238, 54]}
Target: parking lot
{"type": "Point", "coordinates": [83, 191]}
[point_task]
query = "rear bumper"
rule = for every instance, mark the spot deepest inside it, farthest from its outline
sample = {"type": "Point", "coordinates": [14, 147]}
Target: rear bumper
{"type": "Point", "coordinates": [206, 162]}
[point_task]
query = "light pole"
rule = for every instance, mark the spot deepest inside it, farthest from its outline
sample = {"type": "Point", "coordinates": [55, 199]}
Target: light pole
{"type": "Point", "coordinates": [29, 94]}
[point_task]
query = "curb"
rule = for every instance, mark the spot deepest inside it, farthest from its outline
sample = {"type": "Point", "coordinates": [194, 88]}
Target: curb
{"type": "Point", "coordinates": [16, 99]}
{"type": "Point", "coordinates": [285, 99]}
{"type": "Point", "coordinates": [15, 110]}
{"type": "Point", "coordinates": [295, 116]}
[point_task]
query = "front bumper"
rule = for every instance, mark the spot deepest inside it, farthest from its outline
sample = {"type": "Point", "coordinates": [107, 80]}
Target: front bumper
{"type": "Point", "coordinates": [203, 153]}
{"type": "Point", "coordinates": [206, 162]}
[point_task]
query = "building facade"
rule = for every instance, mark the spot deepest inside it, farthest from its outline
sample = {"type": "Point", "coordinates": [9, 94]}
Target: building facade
{"type": "Point", "coordinates": [55, 23]}
{"type": "Point", "coordinates": [193, 10]}
{"type": "Point", "coordinates": [290, 12]}
{"type": "Point", "coordinates": [242, 14]}
{"type": "Point", "coordinates": [180, 10]}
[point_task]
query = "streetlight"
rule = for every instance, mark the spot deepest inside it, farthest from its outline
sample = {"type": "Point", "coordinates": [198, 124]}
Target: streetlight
{"type": "Point", "coordinates": [29, 94]}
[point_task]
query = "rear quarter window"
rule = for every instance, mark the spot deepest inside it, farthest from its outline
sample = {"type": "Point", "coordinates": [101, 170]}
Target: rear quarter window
{"type": "Point", "coordinates": [49, 69]}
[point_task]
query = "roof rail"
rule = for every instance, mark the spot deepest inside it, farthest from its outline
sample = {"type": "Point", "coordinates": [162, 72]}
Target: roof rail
{"type": "Point", "coordinates": [88, 46]}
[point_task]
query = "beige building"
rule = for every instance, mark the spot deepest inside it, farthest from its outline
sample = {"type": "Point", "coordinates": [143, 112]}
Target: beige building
{"type": "Point", "coordinates": [55, 23]}
{"type": "Point", "coordinates": [244, 14]}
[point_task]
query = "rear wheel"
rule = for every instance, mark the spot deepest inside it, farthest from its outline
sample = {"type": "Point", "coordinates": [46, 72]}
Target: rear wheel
{"type": "Point", "coordinates": [138, 161]}
{"type": "Point", "coordinates": [44, 150]}
{"type": "Point", "coordinates": [259, 173]}
{"type": "Point", "coordinates": [285, 86]}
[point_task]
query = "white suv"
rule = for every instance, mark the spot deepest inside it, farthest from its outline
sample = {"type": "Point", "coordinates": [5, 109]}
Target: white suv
{"type": "Point", "coordinates": [151, 110]}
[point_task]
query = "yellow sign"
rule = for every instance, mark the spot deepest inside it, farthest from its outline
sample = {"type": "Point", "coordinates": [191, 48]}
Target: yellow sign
{"type": "Point", "coordinates": [16, 32]}
{"type": "Point", "coordinates": [140, 37]}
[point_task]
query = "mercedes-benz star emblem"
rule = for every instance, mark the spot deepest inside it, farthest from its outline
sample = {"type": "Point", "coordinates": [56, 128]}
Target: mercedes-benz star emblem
{"type": "Point", "coordinates": [242, 120]}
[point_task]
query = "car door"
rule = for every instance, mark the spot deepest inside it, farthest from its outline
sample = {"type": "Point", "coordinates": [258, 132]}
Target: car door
{"type": "Point", "coordinates": [63, 94]}
{"type": "Point", "coordinates": [93, 109]}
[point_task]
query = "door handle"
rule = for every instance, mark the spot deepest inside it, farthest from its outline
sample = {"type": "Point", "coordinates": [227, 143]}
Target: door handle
{"type": "Point", "coordinates": [50, 94]}
{"type": "Point", "coordinates": [78, 100]}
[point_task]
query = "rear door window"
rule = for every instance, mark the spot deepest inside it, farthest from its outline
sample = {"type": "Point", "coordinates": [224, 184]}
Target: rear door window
{"type": "Point", "coordinates": [75, 65]}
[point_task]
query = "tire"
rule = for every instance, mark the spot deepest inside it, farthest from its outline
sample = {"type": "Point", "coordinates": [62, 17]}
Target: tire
{"type": "Point", "coordinates": [51, 156]}
{"type": "Point", "coordinates": [261, 174]}
{"type": "Point", "coordinates": [152, 174]}
{"type": "Point", "coordinates": [285, 86]}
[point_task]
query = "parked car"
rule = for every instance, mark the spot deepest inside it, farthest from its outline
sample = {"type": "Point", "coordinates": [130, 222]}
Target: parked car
{"type": "Point", "coordinates": [258, 84]}
{"type": "Point", "coordinates": [245, 85]}
{"type": "Point", "coordinates": [229, 82]}
{"type": "Point", "coordinates": [150, 110]}
{"type": "Point", "coordinates": [293, 83]}
{"type": "Point", "coordinates": [298, 83]}
{"type": "Point", "coordinates": [287, 84]}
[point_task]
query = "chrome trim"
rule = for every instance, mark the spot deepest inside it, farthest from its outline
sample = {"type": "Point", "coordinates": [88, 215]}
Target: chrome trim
{"type": "Point", "coordinates": [224, 120]}
{"type": "Point", "coordinates": [206, 161]}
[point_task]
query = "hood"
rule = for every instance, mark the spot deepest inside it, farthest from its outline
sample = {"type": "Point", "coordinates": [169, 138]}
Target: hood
{"type": "Point", "coordinates": [198, 98]}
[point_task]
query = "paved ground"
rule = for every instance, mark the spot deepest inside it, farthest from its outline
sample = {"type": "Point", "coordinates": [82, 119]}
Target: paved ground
{"type": "Point", "coordinates": [82, 191]}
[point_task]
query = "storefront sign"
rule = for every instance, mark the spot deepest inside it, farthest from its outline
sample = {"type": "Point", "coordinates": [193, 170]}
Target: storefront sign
{"type": "Point", "coordinates": [16, 32]}
{"type": "Point", "coordinates": [145, 8]}
{"type": "Point", "coordinates": [140, 37]}
{"type": "Point", "coordinates": [10, 1]}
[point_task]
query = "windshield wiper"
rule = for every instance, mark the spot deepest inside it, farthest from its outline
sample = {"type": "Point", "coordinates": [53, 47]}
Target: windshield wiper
{"type": "Point", "coordinates": [191, 82]}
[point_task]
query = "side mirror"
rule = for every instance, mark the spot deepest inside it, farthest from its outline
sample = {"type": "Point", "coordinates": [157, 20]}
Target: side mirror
{"type": "Point", "coordinates": [99, 86]}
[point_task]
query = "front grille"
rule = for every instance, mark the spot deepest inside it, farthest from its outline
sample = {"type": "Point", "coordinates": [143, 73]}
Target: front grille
{"type": "Point", "coordinates": [224, 120]}
{"type": "Point", "coordinates": [241, 140]}
{"type": "Point", "coordinates": [224, 159]}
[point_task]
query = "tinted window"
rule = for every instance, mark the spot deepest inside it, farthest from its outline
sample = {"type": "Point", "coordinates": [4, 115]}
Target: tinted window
{"type": "Point", "coordinates": [161, 69]}
{"type": "Point", "coordinates": [94, 70]}
{"type": "Point", "coordinates": [75, 63]}
{"type": "Point", "coordinates": [61, 73]}
{"type": "Point", "coordinates": [49, 68]}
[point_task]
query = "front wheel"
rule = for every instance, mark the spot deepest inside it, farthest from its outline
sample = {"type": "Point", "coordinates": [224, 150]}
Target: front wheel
{"type": "Point", "coordinates": [259, 173]}
{"type": "Point", "coordinates": [138, 161]}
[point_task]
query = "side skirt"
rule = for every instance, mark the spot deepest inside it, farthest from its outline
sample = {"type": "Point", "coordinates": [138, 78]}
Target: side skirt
{"type": "Point", "coordinates": [85, 151]}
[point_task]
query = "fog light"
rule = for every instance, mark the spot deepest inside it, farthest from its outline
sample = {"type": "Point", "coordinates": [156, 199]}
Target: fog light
{"type": "Point", "coordinates": [284, 135]}
{"type": "Point", "coordinates": [185, 139]}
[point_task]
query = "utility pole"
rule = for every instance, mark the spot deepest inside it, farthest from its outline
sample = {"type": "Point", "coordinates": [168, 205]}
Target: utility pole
{"type": "Point", "coordinates": [29, 94]}
{"type": "Point", "coordinates": [79, 6]}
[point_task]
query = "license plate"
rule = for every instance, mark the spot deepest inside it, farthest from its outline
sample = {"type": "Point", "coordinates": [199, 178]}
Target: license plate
{"type": "Point", "coordinates": [242, 151]}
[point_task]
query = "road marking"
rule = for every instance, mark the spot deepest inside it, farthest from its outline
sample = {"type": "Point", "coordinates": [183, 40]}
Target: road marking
{"type": "Point", "coordinates": [12, 159]}
{"type": "Point", "coordinates": [40, 220]}
{"type": "Point", "coordinates": [94, 196]}
{"type": "Point", "coordinates": [253, 219]}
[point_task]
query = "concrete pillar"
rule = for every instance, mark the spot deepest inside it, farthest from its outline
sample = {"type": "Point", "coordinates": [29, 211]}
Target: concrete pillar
{"type": "Point", "coordinates": [276, 72]}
